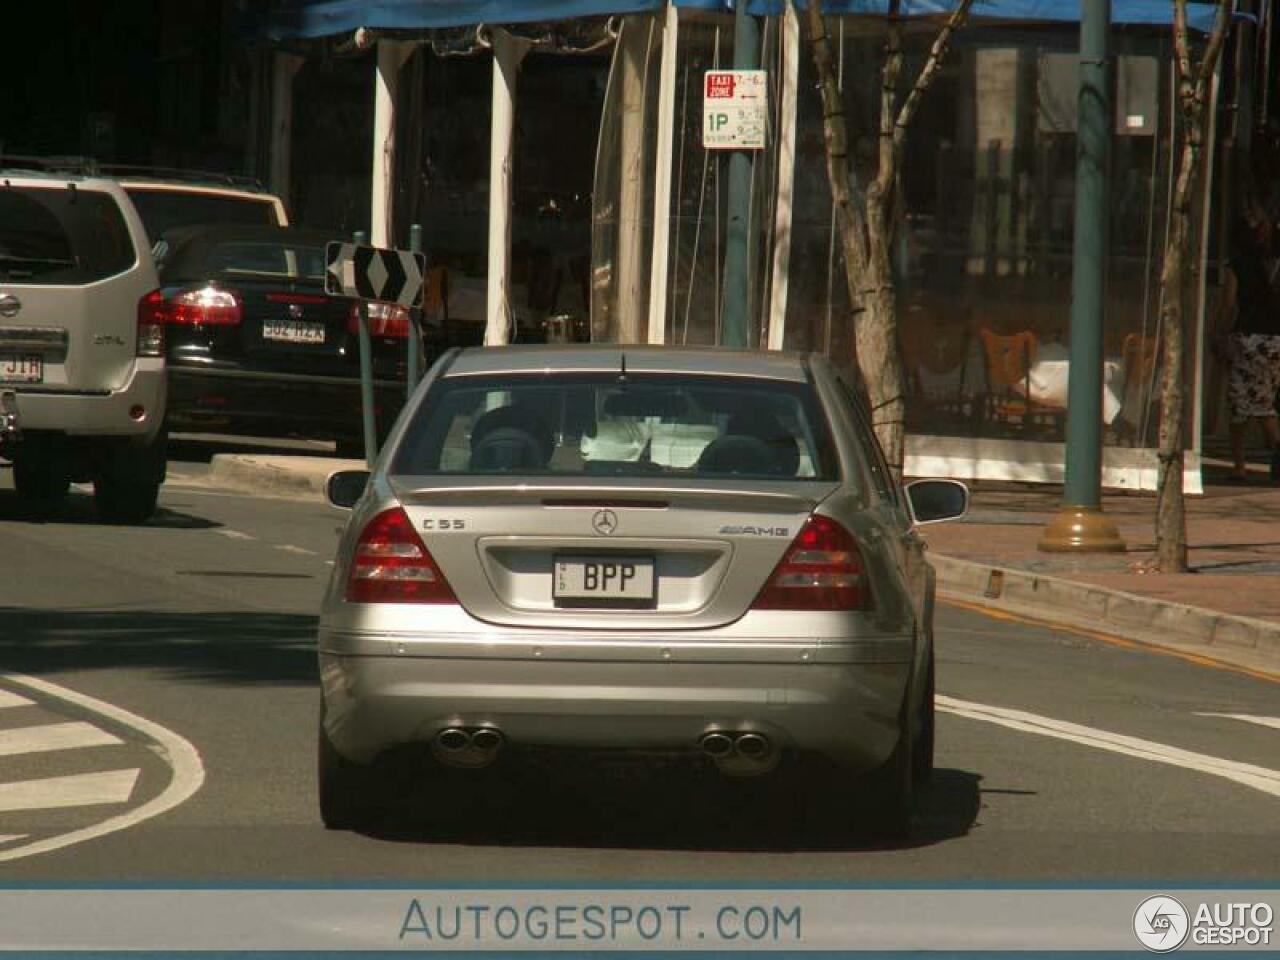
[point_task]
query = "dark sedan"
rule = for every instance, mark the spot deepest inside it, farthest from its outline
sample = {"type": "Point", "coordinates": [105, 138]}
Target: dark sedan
{"type": "Point", "coordinates": [254, 344]}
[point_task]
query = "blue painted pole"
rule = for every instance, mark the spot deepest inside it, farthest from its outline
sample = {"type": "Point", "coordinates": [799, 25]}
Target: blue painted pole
{"type": "Point", "coordinates": [415, 319]}
{"type": "Point", "coordinates": [366, 374]}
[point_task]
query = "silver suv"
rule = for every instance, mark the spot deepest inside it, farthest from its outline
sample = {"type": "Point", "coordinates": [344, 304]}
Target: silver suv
{"type": "Point", "coordinates": [82, 373]}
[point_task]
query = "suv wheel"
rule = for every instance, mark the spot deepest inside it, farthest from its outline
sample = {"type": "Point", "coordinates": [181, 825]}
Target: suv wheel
{"type": "Point", "coordinates": [41, 476]}
{"type": "Point", "coordinates": [126, 489]}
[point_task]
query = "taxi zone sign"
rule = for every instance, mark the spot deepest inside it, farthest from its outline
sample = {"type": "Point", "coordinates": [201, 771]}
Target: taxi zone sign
{"type": "Point", "coordinates": [735, 109]}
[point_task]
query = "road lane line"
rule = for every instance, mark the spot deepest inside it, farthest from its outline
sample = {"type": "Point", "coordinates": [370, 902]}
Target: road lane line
{"type": "Point", "coordinates": [1259, 778]}
{"type": "Point", "coordinates": [8, 699]}
{"type": "Point", "coordinates": [53, 736]}
{"type": "Point", "coordinates": [233, 534]}
{"type": "Point", "coordinates": [78, 790]}
{"type": "Point", "coordinates": [1272, 722]}
{"type": "Point", "coordinates": [289, 548]}
{"type": "Point", "coordinates": [183, 759]}
{"type": "Point", "coordinates": [11, 837]}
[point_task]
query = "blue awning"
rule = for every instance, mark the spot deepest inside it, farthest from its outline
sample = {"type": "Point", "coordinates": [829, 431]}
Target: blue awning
{"type": "Point", "coordinates": [301, 19]}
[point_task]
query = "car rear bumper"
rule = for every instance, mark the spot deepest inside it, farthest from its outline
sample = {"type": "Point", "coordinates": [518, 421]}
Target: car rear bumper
{"type": "Point", "coordinates": [106, 414]}
{"type": "Point", "coordinates": [843, 707]}
{"type": "Point", "coordinates": [324, 406]}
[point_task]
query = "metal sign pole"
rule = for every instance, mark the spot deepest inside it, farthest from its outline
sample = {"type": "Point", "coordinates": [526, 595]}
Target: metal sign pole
{"type": "Point", "coordinates": [415, 319]}
{"type": "Point", "coordinates": [366, 372]}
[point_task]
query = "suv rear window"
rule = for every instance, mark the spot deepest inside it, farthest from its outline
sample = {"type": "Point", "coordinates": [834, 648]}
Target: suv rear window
{"type": "Point", "coordinates": [162, 210]}
{"type": "Point", "coordinates": [61, 235]}
{"type": "Point", "coordinates": [599, 425]}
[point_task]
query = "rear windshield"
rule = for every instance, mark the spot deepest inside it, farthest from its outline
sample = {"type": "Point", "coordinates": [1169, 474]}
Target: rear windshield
{"type": "Point", "coordinates": [61, 235]}
{"type": "Point", "coordinates": [283, 260]}
{"type": "Point", "coordinates": [162, 210]}
{"type": "Point", "coordinates": [643, 426]}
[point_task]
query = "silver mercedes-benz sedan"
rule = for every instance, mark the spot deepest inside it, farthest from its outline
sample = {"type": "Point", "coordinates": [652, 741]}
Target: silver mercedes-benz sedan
{"type": "Point", "coordinates": [698, 553]}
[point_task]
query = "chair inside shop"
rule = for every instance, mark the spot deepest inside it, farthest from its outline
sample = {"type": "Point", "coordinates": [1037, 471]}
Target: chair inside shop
{"type": "Point", "coordinates": [1010, 402]}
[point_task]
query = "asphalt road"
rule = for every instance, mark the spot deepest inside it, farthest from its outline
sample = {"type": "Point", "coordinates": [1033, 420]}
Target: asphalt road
{"type": "Point", "coordinates": [167, 674]}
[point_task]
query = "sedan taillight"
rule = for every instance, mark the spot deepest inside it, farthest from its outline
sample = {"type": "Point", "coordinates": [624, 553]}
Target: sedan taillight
{"type": "Point", "coordinates": [821, 570]}
{"type": "Point", "coordinates": [208, 306]}
{"type": "Point", "coordinates": [392, 565]}
{"type": "Point", "coordinates": [385, 320]}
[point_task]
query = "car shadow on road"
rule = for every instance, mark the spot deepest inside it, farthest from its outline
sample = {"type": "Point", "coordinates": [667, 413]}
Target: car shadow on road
{"type": "Point", "coordinates": [78, 509]}
{"type": "Point", "coordinates": [684, 812]}
{"type": "Point", "coordinates": [229, 648]}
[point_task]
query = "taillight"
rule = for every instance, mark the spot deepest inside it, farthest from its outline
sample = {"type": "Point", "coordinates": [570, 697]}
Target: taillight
{"type": "Point", "coordinates": [205, 307]}
{"type": "Point", "coordinates": [392, 565]}
{"type": "Point", "coordinates": [151, 325]}
{"type": "Point", "coordinates": [821, 570]}
{"type": "Point", "coordinates": [385, 320]}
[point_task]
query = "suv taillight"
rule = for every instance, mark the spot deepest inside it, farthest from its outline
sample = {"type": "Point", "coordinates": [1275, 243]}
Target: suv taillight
{"type": "Point", "coordinates": [392, 565]}
{"type": "Point", "coordinates": [385, 320]}
{"type": "Point", "coordinates": [206, 307]}
{"type": "Point", "coordinates": [821, 570]}
{"type": "Point", "coordinates": [151, 325]}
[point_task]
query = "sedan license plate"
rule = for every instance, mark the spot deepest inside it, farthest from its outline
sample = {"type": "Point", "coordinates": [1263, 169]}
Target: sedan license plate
{"type": "Point", "coordinates": [293, 331]}
{"type": "Point", "coordinates": [582, 581]}
{"type": "Point", "coordinates": [21, 368]}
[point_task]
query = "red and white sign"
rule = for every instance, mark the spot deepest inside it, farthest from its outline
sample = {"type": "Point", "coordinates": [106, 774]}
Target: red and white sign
{"type": "Point", "coordinates": [735, 109]}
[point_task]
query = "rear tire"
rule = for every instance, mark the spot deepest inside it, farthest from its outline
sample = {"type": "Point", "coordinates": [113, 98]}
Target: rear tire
{"type": "Point", "coordinates": [339, 785]}
{"type": "Point", "coordinates": [128, 485]}
{"type": "Point", "coordinates": [922, 752]}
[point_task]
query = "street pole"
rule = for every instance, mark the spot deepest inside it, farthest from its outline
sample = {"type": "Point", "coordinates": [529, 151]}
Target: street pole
{"type": "Point", "coordinates": [366, 372]}
{"type": "Point", "coordinates": [1080, 525]}
{"type": "Point", "coordinates": [415, 319]}
{"type": "Point", "coordinates": [737, 257]}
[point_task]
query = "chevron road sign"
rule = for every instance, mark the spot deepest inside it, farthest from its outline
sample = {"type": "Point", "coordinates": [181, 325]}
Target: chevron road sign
{"type": "Point", "coordinates": [372, 273]}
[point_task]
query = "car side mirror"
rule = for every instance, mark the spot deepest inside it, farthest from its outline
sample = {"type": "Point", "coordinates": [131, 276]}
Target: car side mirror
{"type": "Point", "coordinates": [345, 487]}
{"type": "Point", "coordinates": [933, 501]}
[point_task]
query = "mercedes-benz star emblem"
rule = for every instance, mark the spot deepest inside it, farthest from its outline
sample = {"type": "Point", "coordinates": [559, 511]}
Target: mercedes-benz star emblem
{"type": "Point", "coordinates": [605, 522]}
{"type": "Point", "coordinates": [295, 311]}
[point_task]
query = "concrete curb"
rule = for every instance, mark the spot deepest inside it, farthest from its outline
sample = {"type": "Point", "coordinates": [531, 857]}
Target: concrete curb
{"type": "Point", "coordinates": [1244, 641]}
{"type": "Point", "coordinates": [276, 476]}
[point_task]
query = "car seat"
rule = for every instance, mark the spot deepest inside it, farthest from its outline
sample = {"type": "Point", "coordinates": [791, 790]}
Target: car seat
{"type": "Point", "coordinates": [510, 438]}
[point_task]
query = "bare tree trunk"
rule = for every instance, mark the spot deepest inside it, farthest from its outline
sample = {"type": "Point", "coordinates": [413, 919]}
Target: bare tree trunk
{"type": "Point", "coordinates": [867, 219]}
{"type": "Point", "coordinates": [1171, 523]}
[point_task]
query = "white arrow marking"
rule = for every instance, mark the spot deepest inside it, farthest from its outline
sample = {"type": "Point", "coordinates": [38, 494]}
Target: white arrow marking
{"type": "Point", "coordinates": [53, 736]}
{"type": "Point", "coordinates": [179, 754]}
{"type": "Point", "coordinates": [80, 790]}
{"type": "Point", "coordinates": [8, 699]}
{"type": "Point", "coordinates": [1272, 722]}
{"type": "Point", "coordinates": [1259, 778]}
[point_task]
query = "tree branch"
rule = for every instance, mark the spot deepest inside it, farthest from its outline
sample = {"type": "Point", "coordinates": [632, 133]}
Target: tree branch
{"type": "Point", "coordinates": [941, 43]}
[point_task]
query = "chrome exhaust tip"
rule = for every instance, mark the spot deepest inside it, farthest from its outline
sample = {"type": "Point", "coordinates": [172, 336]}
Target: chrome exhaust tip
{"type": "Point", "coordinates": [717, 744]}
{"type": "Point", "coordinates": [453, 739]}
{"type": "Point", "coordinates": [753, 746]}
{"type": "Point", "coordinates": [486, 739]}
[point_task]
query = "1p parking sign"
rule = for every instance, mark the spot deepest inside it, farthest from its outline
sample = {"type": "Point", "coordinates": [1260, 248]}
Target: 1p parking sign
{"type": "Point", "coordinates": [735, 109]}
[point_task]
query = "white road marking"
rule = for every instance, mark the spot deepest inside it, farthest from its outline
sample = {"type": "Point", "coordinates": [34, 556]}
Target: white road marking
{"type": "Point", "coordinates": [183, 759]}
{"type": "Point", "coordinates": [289, 548]}
{"type": "Point", "coordinates": [8, 699]}
{"type": "Point", "coordinates": [53, 736]}
{"type": "Point", "coordinates": [233, 534]}
{"type": "Point", "coordinates": [1259, 778]}
{"type": "Point", "coordinates": [1273, 722]}
{"type": "Point", "coordinates": [79, 790]}
{"type": "Point", "coordinates": [11, 837]}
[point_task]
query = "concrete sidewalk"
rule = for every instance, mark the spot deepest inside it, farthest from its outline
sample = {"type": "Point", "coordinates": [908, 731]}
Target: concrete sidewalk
{"type": "Point", "coordinates": [1227, 609]}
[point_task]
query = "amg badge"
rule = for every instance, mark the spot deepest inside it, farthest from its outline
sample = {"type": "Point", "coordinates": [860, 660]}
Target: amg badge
{"type": "Point", "coordinates": [740, 531]}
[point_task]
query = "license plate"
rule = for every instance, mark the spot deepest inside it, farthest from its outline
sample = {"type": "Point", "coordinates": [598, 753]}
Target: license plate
{"type": "Point", "coordinates": [293, 331]}
{"type": "Point", "coordinates": [603, 582]}
{"type": "Point", "coordinates": [21, 369]}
